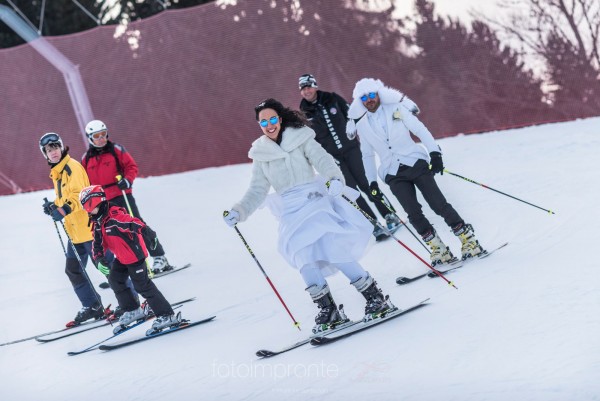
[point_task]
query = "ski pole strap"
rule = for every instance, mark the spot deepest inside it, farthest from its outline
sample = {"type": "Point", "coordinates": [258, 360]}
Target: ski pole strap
{"type": "Point", "coordinates": [495, 190]}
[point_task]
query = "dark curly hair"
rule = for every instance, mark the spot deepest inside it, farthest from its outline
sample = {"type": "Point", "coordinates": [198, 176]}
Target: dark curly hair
{"type": "Point", "coordinates": [289, 117]}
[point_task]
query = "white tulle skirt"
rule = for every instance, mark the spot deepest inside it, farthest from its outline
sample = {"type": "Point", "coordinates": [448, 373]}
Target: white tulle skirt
{"type": "Point", "coordinates": [315, 228]}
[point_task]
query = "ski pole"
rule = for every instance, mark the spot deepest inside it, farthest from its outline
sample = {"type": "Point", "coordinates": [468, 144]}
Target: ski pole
{"type": "Point", "coordinates": [375, 222]}
{"type": "Point", "coordinates": [495, 190]}
{"type": "Point", "coordinates": [389, 207]}
{"type": "Point", "coordinates": [150, 272]}
{"type": "Point", "coordinates": [83, 268]}
{"type": "Point", "coordinates": [58, 232]}
{"type": "Point", "coordinates": [264, 273]}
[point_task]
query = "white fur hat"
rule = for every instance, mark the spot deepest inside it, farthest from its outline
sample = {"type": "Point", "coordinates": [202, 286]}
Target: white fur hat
{"type": "Point", "coordinates": [386, 94]}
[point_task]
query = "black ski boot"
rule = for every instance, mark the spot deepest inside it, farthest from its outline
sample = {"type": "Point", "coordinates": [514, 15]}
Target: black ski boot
{"type": "Point", "coordinates": [329, 316]}
{"type": "Point", "coordinates": [377, 303]}
{"type": "Point", "coordinates": [86, 313]}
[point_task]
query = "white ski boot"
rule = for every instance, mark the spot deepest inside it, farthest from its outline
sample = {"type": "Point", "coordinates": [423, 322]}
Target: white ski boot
{"type": "Point", "coordinates": [440, 253]}
{"type": "Point", "coordinates": [128, 318]}
{"type": "Point", "coordinates": [470, 244]}
{"type": "Point", "coordinates": [163, 322]}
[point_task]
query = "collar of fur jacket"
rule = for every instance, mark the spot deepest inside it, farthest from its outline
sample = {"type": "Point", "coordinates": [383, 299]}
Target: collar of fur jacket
{"type": "Point", "coordinates": [386, 94]}
{"type": "Point", "coordinates": [265, 149]}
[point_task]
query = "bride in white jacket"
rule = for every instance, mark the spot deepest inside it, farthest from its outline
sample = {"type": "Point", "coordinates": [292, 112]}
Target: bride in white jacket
{"type": "Point", "coordinates": [319, 232]}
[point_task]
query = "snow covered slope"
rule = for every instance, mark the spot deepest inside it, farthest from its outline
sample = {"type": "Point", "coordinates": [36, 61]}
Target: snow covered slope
{"type": "Point", "coordinates": [523, 325]}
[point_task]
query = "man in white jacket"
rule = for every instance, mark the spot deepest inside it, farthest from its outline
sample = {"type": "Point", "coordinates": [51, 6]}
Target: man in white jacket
{"type": "Point", "coordinates": [384, 118]}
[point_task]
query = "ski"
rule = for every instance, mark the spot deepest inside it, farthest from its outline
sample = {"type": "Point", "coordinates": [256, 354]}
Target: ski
{"type": "Point", "coordinates": [170, 270]}
{"type": "Point", "coordinates": [46, 338]}
{"type": "Point", "coordinates": [481, 256]}
{"type": "Point", "coordinates": [124, 330]}
{"type": "Point", "coordinates": [366, 325]}
{"type": "Point", "coordinates": [52, 332]}
{"type": "Point", "coordinates": [264, 353]}
{"type": "Point", "coordinates": [184, 325]}
{"type": "Point", "coordinates": [456, 263]}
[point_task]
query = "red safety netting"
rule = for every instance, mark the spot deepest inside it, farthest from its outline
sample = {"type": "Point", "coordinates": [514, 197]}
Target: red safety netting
{"type": "Point", "coordinates": [178, 89]}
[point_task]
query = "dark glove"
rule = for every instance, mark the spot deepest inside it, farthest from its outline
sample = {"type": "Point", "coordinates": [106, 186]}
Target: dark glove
{"type": "Point", "coordinates": [123, 183]}
{"type": "Point", "coordinates": [151, 236]}
{"type": "Point", "coordinates": [49, 207]}
{"type": "Point", "coordinates": [437, 165]}
{"type": "Point", "coordinates": [375, 192]}
{"type": "Point", "coordinates": [57, 214]}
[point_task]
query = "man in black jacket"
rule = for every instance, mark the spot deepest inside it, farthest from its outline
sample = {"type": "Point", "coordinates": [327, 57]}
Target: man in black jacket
{"type": "Point", "coordinates": [327, 113]}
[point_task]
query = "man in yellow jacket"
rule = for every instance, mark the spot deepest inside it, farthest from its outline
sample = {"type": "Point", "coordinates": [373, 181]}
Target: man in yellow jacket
{"type": "Point", "coordinates": [69, 178]}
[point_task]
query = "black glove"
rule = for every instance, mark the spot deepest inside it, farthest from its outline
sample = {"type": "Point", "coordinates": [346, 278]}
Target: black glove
{"type": "Point", "coordinates": [123, 183]}
{"type": "Point", "coordinates": [49, 207]}
{"type": "Point", "coordinates": [149, 234]}
{"type": "Point", "coordinates": [375, 193]}
{"type": "Point", "coordinates": [437, 165]}
{"type": "Point", "coordinates": [57, 215]}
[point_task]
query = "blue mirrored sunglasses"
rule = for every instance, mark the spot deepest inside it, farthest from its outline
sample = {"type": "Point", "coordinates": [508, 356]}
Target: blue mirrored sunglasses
{"type": "Point", "coordinates": [273, 120]}
{"type": "Point", "coordinates": [371, 95]}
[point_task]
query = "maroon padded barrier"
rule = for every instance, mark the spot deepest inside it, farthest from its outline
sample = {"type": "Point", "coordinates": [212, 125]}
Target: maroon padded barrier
{"type": "Point", "coordinates": [183, 98]}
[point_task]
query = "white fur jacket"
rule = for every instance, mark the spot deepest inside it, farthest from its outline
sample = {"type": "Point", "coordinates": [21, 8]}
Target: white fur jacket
{"type": "Point", "coordinates": [285, 166]}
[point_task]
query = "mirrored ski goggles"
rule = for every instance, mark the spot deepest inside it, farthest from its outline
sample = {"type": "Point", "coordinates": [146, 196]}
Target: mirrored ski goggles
{"type": "Point", "coordinates": [273, 120]}
{"type": "Point", "coordinates": [371, 95]}
{"type": "Point", "coordinates": [98, 135]}
{"type": "Point", "coordinates": [50, 139]}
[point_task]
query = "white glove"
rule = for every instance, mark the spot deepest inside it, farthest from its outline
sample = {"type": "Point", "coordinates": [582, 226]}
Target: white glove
{"type": "Point", "coordinates": [231, 217]}
{"type": "Point", "coordinates": [335, 187]}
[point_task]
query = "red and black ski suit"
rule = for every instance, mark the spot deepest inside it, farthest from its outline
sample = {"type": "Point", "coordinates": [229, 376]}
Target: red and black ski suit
{"type": "Point", "coordinates": [124, 236]}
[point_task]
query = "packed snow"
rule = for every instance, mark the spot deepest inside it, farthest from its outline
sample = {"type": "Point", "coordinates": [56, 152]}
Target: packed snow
{"type": "Point", "coordinates": [523, 324]}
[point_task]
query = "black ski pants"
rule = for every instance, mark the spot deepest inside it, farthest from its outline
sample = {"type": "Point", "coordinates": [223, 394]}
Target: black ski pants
{"type": "Point", "coordinates": [353, 170]}
{"type": "Point", "coordinates": [404, 185]}
{"type": "Point", "coordinates": [120, 201]}
{"type": "Point", "coordinates": [142, 284]}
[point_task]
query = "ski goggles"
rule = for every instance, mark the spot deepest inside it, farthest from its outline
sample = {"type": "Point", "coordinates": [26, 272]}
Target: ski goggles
{"type": "Point", "coordinates": [98, 135]}
{"type": "Point", "coordinates": [370, 95]}
{"type": "Point", "coordinates": [273, 120]}
{"type": "Point", "coordinates": [50, 139]}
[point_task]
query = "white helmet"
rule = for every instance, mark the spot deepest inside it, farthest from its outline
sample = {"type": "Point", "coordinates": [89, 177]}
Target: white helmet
{"type": "Point", "coordinates": [93, 127]}
{"type": "Point", "coordinates": [50, 138]}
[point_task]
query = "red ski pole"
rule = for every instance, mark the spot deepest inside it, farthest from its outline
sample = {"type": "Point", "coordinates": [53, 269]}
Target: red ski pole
{"type": "Point", "coordinates": [375, 222]}
{"type": "Point", "coordinates": [265, 274]}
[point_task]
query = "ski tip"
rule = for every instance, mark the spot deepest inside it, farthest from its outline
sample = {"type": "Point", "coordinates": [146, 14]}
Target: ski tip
{"type": "Point", "coordinates": [263, 353]}
{"type": "Point", "coordinates": [402, 280]}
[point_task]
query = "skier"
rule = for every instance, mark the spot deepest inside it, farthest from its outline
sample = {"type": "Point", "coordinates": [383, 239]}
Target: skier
{"type": "Point", "coordinates": [105, 160]}
{"type": "Point", "coordinates": [319, 232]}
{"type": "Point", "coordinates": [327, 113]}
{"type": "Point", "coordinates": [69, 177]}
{"type": "Point", "coordinates": [125, 236]}
{"type": "Point", "coordinates": [382, 119]}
